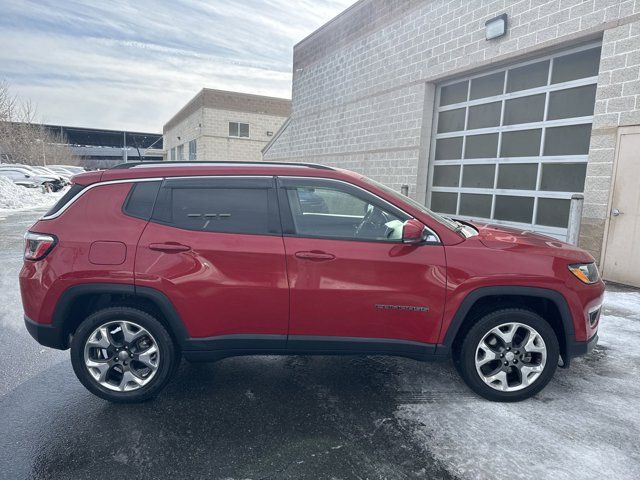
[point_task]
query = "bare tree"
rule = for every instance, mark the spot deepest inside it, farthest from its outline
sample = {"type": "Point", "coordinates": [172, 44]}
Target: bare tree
{"type": "Point", "coordinates": [23, 139]}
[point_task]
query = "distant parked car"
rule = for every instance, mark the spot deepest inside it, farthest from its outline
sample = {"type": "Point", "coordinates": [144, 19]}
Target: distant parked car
{"type": "Point", "coordinates": [25, 176]}
{"type": "Point", "coordinates": [73, 169]}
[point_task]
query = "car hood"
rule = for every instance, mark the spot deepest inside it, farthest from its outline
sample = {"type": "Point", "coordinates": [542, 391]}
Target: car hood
{"type": "Point", "coordinates": [508, 238]}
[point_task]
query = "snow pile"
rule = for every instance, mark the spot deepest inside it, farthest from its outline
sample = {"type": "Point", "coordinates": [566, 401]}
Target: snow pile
{"type": "Point", "coordinates": [15, 197]}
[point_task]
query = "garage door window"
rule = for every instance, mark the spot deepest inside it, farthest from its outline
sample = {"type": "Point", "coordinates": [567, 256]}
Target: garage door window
{"type": "Point", "coordinates": [511, 145]}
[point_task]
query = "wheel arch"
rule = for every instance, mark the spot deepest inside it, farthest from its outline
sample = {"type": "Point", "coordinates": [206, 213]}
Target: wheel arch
{"type": "Point", "coordinates": [79, 301]}
{"type": "Point", "coordinates": [549, 304]}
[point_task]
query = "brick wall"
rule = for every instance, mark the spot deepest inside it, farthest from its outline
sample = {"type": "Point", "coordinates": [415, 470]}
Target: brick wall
{"type": "Point", "coordinates": [348, 74]}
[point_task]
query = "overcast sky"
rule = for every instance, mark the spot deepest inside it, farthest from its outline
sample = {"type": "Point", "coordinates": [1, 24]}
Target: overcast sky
{"type": "Point", "coordinates": [132, 65]}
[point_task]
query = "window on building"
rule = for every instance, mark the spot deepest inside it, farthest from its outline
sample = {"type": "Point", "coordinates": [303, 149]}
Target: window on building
{"type": "Point", "coordinates": [173, 154]}
{"type": "Point", "coordinates": [193, 150]}
{"type": "Point", "coordinates": [239, 130]}
{"type": "Point", "coordinates": [511, 145]}
{"type": "Point", "coordinates": [180, 152]}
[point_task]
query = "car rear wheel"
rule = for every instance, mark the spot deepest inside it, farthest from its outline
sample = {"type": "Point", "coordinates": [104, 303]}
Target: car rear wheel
{"type": "Point", "coordinates": [509, 355]}
{"type": "Point", "coordinates": [123, 354]}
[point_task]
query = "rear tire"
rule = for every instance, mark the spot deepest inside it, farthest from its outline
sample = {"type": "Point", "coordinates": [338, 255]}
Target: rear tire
{"type": "Point", "coordinates": [123, 355]}
{"type": "Point", "coordinates": [509, 355]}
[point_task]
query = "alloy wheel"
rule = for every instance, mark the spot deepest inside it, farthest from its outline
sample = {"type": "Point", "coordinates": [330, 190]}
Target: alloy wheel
{"type": "Point", "coordinates": [510, 357]}
{"type": "Point", "coordinates": [121, 356]}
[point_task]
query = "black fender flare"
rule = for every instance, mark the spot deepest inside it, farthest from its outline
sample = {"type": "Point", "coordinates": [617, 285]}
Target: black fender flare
{"type": "Point", "coordinates": [507, 290]}
{"type": "Point", "coordinates": [159, 299]}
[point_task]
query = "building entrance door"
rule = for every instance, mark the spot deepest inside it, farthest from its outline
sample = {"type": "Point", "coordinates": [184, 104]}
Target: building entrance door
{"type": "Point", "coordinates": [622, 255]}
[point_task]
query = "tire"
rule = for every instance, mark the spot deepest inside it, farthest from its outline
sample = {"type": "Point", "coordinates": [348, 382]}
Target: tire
{"type": "Point", "coordinates": [526, 367]}
{"type": "Point", "coordinates": [148, 370]}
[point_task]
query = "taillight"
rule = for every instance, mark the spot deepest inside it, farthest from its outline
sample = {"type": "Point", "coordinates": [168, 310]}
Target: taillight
{"type": "Point", "coordinates": [38, 245]}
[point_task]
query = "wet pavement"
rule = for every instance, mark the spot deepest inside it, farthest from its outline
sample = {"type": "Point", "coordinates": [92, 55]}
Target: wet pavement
{"type": "Point", "coordinates": [315, 417]}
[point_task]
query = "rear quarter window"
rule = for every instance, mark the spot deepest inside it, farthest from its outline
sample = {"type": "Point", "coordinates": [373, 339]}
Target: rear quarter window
{"type": "Point", "coordinates": [141, 199]}
{"type": "Point", "coordinates": [66, 198]}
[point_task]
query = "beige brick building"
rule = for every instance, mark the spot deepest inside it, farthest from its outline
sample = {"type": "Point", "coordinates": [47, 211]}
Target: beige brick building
{"type": "Point", "coordinates": [220, 125]}
{"type": "Point", "coordinates": [504, 130]}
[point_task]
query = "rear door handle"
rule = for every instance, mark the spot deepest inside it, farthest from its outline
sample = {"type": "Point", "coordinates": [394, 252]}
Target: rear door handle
{"type": "Point", "coordinates": [316, 256]}
{"type": "Point", "coordinates": [169, 247]}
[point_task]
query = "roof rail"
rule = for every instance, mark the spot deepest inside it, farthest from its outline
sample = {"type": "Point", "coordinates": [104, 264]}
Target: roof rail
{"type": "Point", "coordinates": [197, 163]}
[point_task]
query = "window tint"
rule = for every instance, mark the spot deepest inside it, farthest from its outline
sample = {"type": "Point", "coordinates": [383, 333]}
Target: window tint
{"type": "Point", "coordinates": [475, 205]}
{"type": "Point", "coordinates": [478, 176]}
{"type": "Point", "coordinates": [481, 146]}
{"type": "Point", "coordinates": [553, 212]}
{"type": "Point", "coordinates": [487, 86]}
{"type": "Point", "coordinates": [521, 143]}
{"type": "Point", "coordinates": [72, 192]}
{"type": "Point", "coordinates": [141, 198]}
{"type": "Point", "coordinates": [451, 120]}
{"type": "Point", "coordinates": [563, 177]}
{"type": "Point", "coordinates": [515, 209]}
{"type": "Point", "coordinates": [449, 148]}
{"type": "Point", "coordinates": [569, 140]}
{"type": "Point", "coordinates": [572, 102]}
{"type": "Point", "coordinates": [519, 176]}
{"type": "Point", "coordinates": [485, 115]}
{"type": "Point", "coordinates": [446, 175]}
{"type": "Point", "coordinates": [524, 109]}
{"type": "Point", "coordinates": [333, 213]}
{"type": "Point", "coordinates": [576, 65]}
{"type": "Point", "coordinates": [444, 202]}
{"type": "Point", "coordinates": [455, 93]}
{"type": "Point", "coordinates": [215, 206]}
{"type": "Point", "coordinates": [528, 76]}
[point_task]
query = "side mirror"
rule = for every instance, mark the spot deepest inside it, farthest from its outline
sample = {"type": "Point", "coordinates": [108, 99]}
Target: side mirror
{"type": "Point", "coordinates": [27, 176]}
{"type": "Point", "coordinates": [413, 231]}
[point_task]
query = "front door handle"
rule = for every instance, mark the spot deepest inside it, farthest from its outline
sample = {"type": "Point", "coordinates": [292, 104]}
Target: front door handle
{"type": "Point", "coordinates": [316, 256]}
{"type": "Point", "coordinates": [169, 247]}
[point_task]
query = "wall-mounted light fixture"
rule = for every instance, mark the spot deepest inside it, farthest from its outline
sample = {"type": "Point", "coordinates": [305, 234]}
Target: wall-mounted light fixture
{"type": "Point", "coordinates": [269, 134]}
{"type": "Point", "coordinates": [496, 27]}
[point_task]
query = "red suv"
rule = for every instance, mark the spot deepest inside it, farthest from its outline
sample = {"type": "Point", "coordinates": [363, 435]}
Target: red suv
{"type": "Point", "coordinates": [140, 265]}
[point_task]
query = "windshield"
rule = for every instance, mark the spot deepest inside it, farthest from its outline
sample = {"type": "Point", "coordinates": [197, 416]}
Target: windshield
{"type": "Point", "coordinates": [451, 224]}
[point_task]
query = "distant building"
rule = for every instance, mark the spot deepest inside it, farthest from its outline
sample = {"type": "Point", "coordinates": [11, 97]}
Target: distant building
{"type": "Point", "coordinates": [100, 148]}
{"type": "Point", "coordinates": [220, 125]}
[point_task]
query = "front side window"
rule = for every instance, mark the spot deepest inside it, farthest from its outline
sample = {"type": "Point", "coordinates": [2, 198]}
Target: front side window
{"type": "Point", "coordinates": [239, 130]}
{"type": "Point", "coordinates": [214, 205]}
{"type": "Point", "coordinates": [332, 212]}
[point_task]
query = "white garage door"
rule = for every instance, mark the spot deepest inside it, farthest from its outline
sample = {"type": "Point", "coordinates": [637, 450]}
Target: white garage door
{"type": "Point", "coordinates": [511, 145]}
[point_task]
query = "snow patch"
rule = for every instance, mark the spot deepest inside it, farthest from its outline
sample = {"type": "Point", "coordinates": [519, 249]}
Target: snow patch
{"type": "Point", "coordinates": [14, 197]}
{"type": "Point", "coordinates": [584, 424]}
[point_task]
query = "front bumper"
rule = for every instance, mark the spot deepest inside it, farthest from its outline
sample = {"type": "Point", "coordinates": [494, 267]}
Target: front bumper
{"type": "Point", "coordinates": [577, 349]}
{"type": "Point", "coordinates": [47, 335]}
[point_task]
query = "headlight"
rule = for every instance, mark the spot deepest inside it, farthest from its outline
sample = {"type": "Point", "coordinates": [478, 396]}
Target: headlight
{"type": "Point", "coordinates": [586, 272]}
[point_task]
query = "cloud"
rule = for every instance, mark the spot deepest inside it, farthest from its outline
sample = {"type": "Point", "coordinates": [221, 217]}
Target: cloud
{"type": "Point", "coordinates": [132, 65]}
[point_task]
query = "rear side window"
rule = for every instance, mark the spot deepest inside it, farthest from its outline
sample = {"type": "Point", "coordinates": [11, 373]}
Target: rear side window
{"type": "Point", "coordinates": [141, 199]}
{"type": "Point", "coordinates": [215, 205]}
{"type": "Point", "coordinates": [72, 192]}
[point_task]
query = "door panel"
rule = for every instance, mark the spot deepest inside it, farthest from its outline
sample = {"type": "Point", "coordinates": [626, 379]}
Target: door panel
{"type": "Point", "coordinates": [349, 272]}
{"type": "Point", "coordinates": [361, 291]}
{"type": "Point", "coordinates": [213, 246]}
{"type": "Point", "coordinates": [620, 264]}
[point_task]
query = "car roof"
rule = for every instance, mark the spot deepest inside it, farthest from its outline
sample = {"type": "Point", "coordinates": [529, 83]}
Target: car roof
{"type": "Point", "coordinates": [133, 170]}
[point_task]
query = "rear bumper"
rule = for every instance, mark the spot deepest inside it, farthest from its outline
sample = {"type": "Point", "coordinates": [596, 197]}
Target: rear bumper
{"type": "Point", "coordinates": [47, 335]}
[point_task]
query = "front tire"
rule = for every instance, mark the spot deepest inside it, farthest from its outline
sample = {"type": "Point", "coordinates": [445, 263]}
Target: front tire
{"type": "Point", "coordinates": [509, 355]}
{"type": "Point", "coordinates": [123, 355]}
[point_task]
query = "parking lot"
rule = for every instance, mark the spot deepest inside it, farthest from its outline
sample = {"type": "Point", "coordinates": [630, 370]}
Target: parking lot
{"type": "Point", "coordinates": [315, 417]}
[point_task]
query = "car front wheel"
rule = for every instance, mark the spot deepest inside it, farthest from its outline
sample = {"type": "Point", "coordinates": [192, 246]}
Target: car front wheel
{"type": "Point", "coordinates": [123, 354]}
{"type": "Point", "coordinates": [509, 355]}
